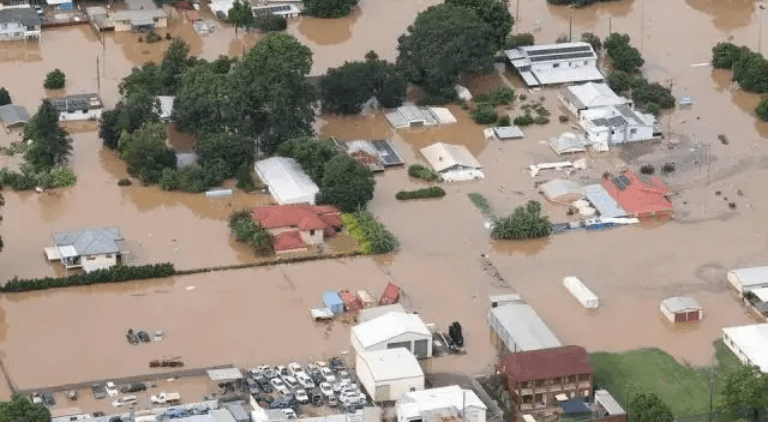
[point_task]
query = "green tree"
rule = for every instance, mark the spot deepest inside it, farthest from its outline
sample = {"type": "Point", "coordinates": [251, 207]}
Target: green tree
{"type": "Point", "coordinates": [21, 409]}
{"type": "Point", "coordinates": [619, 81]}
{"type": "Point", "coordinates": [344, 89]}
{"type": "Point", "coordinates": [55, 80]}
{"type": "Point", "coordinates": [5, 97]}
{"type": "Point", "coordinates": [241, 15]}
{"type": "Point", "coordinates": [444, 42]}
{"type": "Point", "coordinates": [524, 223]}
{"type": "Point", "coordinates": [651, 93]}
{"type": "Point", "coordinates": [346, 184]}
{"type": "Point", "coordinates": [247, 231]}
{"type": "Point", "coordinates": [751, 72]}
{"type": "Point", "coordinates": [762, 110]}
{"type": "Point", "coordinates": [393, 89]}
{"type": "Point", "coordinates": [328, 8]}
{"type": "Point", "coordinates": [147, 154]}
{"type": "Point", "coordinates": [744, 391]}
{"type": "Point", "coordinates": [109, 127]}
{"type": "Point", "coordinates": [50, 145]}
{"type": "Point", "coordinates": [174, 63]}
{"type": "Point", "coordinates": [311, 154]}
{"type": "Point", "coordinates": [146, 78]}
{"type": "Point", "coordinates": [492, 12]}
{"type": "Point", "coordinates": [649, 408]}
{"type": "Point", "coordinates": [138, 109]}
{"type": "Point", "coordinates": [592, 40]}
{"type": "Point", "coordinates": [268, 22]}
{"type": "Point", "coordinates": [233, 150]}
{"type": "Point", "coordinates": [519, 40]}
{"type": "Point", "coordinates": [623, 56]}
{"type": "Point", "coordinates": [203, 103]}
{"type": "Point", "coordinates": [725, 54]}
{"type": "Point", "coordinates": [485, 114]}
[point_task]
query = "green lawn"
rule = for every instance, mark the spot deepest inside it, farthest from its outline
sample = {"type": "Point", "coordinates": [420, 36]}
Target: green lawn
{"type": "Point", "coordinates": [684, 389]}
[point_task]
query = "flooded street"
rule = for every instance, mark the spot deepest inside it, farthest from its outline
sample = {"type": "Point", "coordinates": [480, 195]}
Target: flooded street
{"type": "Point", "coordinates": [260, 315]}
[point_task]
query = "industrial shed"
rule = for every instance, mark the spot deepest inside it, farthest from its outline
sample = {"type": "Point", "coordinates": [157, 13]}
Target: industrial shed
{"type": "Point", "coordinates": [520, 328]}
{"type": "Point", "coordinates": [393, 330]}
{"type": "Point", "coordinates": [388, 374]}
{"type": "Point", "coordinates": [377, 311]}
{"type": "Point", "coordinates": [287, 181]}
{"type": "Point", "coordinates": [681, 309]}
{"type": "Point", "coordinates": [749, 343]}
{"type": "Point", "coordinates": [748, 279]}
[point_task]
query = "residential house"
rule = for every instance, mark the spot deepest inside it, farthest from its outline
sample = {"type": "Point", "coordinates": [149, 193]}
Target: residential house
{"type": "Point", "coordinates": [78, 107]}
{"type": "Point", "coordinates": [638, 198]}
{"type": "Point", "coordinates": [441, 404]}
{"type": "Point", "coordinates": [555, 64]}
{"type": "Point", "coordinates": [285, 10]}
{"type": "Point", "coordinates": [286, 181]}
{"type": "Point", "coordinates": [603, 202]}
{"type": "Point", "coordinates": [87, 249]}
{"type": "Point", "coordinates": [293, 227]}
{"type": "Point", "coordinates": [748, 279]}
{"type": "Point", "coordinates": [389, 373]}
{"type": "Point", "coordinates": [13, 115]}
{"type": "Point", "coordinates": [563, 191]}
{"type": "Point", "coordinates": [518, 326]}
{"type": "Point", "coordinates": [453, 162]}
{"type": "Point", "coordinates": [539, 379]}
{"type": "Point", "coordinates": [19, 22]}
{"type": "Point", "coordinates": [590, 96]}
{"type": "Point", "coordinates": [611, 125]}
{"type": "Point", "coordinates": [391, 330]}
{"type": "Point", "coordinates": [412, 116]}
{"type": "Point", "coordinates": [139, 20]}
{"type": "Point", "coordinates": [749, 343]}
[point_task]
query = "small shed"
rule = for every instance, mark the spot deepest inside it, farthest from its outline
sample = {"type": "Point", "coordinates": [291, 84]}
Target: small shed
{"type": "Point", "coordinates": [581, 292]}
{"type": "Point", "coordinates": [391, 294]}
{"type": "Point", "coordinates": [453, 162]}
{"type": "Point", "coordinates": [569, 143]}
{"type": "Point", "coordinates": [508, 132]}
{"type": "Point", "coordinates": [332, 301]}
{"type": "Point", "coordinates": [393, 330]}
{"type": "Point", "coordinates": [388, 374]}
{"type": "Point", "coordinates": [225, 374]}
{"type": "Point", "coordinates": [366, 299]}
{"type": "Point", "coordinates": [681, 309]}
{"type": "Point", "coordinates": [563, 191]}
{"type": "Point", "coordinates": [13, 115]}
{"type": "Point", "coordinates": [351, 302]}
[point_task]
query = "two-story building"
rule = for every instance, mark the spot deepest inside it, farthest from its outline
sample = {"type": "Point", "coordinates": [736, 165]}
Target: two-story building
{"type": "Point", "coordinates": [538, 379]}
{"type": "Point", "coordinates": [19, 22]}
{"type": "Point", "coordinates": [555, 64]}
{"type": "Point", "coordinates": [617, 124]}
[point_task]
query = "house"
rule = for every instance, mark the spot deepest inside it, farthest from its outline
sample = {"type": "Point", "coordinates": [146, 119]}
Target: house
{"type": "Point", "coordinates": [377, 311]}
{"type": "Point", "coordinates": [506, 133]}
{"type": "Point", "coordinates": [589, 96]}
{"type": "Point", "coordinates": [62, 4]}
{"type": "Point", "coordinates": [293, 227]}
{"type": "Point", "coordinates": [78, 107]}
{"type": "Point", "coordinates": [563, 191]}
{"type": "Point", "coordinates": [681, 309]}
{"type": "Point", "coordinates": [388, 374]}
{"type": "Point", "coordinates": [392, 330]}
{"type": "Point", "coordinates": [90, 250]}
{"type": "Point", "coordinates": [139, 20]}
{"type": "Point", "coordinates": [519, 327]}
{"type": "Point", "coordinates": [603, 202]}
{"type": "Point", "coordinates": [748, 279]}
{"type": "Point", "coordinates": [612, 125]}
{"type": "Point", "coordinates": [749, 343]}
{"type": "Point", "coordinates": [440, 404]}
{"type": "Point", "coordinates": [538, 379]}
{"type": "Point", "coordinates": [555, 64]}
{"type": "Point", "coordinates": [638, 198]}
{"type": "Point", "coordinates": [452, 162]}
{"type": "Point", "coordinates": [13, 115]}
{"type": "Point", "coordinates": [375, 154]}
{"type": "Point", "coordinates": [19, 22]}
{"type": "Point", "coordinates": [412, 116]}
{"type": "Point", "coordinates": [285, 10]}
{"type": "Point", "coordinates": [287, 181]}
{"type": "Point", "coordinates": [569, 143]}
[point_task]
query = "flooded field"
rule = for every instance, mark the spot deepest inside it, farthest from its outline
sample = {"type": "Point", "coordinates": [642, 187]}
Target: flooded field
{"type": "Point", "coordinates": [256, 316]}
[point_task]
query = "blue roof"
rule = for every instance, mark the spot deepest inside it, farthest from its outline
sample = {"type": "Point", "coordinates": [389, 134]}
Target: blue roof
{"type": "Point", "coordinates": [603, 201]}
{"type": "Point", "coordinates": [332, 298]}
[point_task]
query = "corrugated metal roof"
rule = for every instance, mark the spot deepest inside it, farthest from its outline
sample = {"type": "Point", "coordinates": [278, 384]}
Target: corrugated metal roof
{"type": "Point", "coordinates": [752, 341]}
{"type": "Point", "coordinates": [753, 276]}
{"type": "Point", "coordinates": [547, 363]}
{"type": "Point", "coordinates": [414, 403]}
{"type": "Point", "coordinates": [605, 399]}
{"type": "Point", "coordinates": [680, 304]}
{"type": "Point", "coordinates": [26, 15]}
{"type": "Point", "coordinates": [569, 143]}
{"type": "Point", "coordinates": [557, 189]}
{"type": "Point", "coordinates": [392, 364]}
{"type": "Point", "coordinates": [406, 116]}
{"type": "Point", "coordinates": [442, 156]}
{"type": "Point", "coordinates": [525, 326]}
{"type": "Point", "coordinates": [592, 94]}
{"type": "Point", "coordinates": [12, 114]}
{"type": "Point", "coordinates": [77, 102]}
{"type": "Point", "coordinates": [224, 374]}
{"type": "Point", "coordinates": [603, 201]}
{"type": "Point", "coordinates": [90, 242]}
{"type": "Point", "coordinates": [508, 132]}
{"type": "Point", "coordinates": [128, 15]}
{"type": "Point", "coordinates": [287, 181]}
{"type": "Point", "coordinates": [385, 327]}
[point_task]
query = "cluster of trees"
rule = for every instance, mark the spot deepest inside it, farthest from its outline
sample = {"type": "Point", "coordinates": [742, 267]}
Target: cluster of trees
{"type": "Point", "coordinates": [744, 392]}
{"type": "Point", "coordinates": [329, 8]}
{"type": "Point", "coordinates": [372, 237]}
{"type": "Point", "coordinates": [20, 408]}
{"type": "Point", "coordinates": [241, 15]}
{"type": "Point", "coordinates": [623, 56]}
{"type": "Point", "coordinates": [5, 96]}
{"type": "Point", "coordinates": [519, 40]}
{"type": "Point", "coordinates": [750, 70]}
{"type": "Point", "coordinates": [248, 231]}
{"type": "Point", "coordinates": [485, 108]}
{"type": "Point", "coordinates": [524, 223]}
{"type": "Point", "coordinates": [431, 192]}
{"type": "Point", "coordinates": [55, 79]}
{"type": "Point", "coordinates": [342, 181]}
{"type": "Point", "coordinates": [449, 39]}
{"type": "Point", "coordinates": [648, 407]}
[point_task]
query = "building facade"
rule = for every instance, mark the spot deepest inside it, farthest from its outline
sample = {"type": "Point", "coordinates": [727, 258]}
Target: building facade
{"type": "Point", "coordinates": [19, 22]}
{"type": "Point", "coordinates": [78, 107]}
{"type": "Point", "coordinates": [612, 125]}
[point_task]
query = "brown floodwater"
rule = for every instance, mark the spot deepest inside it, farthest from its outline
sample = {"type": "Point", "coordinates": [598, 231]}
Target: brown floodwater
{"type": "Point", "coordinates": [261, 315]}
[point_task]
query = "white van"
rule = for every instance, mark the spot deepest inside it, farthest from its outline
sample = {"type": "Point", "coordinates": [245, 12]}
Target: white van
{"type": "Point", "coordinates": [125, 401]}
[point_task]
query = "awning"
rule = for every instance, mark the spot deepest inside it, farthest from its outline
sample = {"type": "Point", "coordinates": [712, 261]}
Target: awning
{"type": "Point", "coordinates": [53, 254]}
{"type": "Point", "coordinates": [225, 374]}
{"type": "Point", "coordinates": [561, 397]}
{"type": "Point", "coordinates": [68, 251]}
{"type": "Point", "coordinates": [142, 21]}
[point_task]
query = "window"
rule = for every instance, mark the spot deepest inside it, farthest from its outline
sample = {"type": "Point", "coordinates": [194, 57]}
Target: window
{"type": "Point", "coordinates": [90, 258]}
{"type": "Point", "coordinates": [555, 65]}
{"type": "Point", "coordinates": [632, 131]}
{"type": "Point", "coordinates": [586, 62]}
{"type": "Point", "coordinates": [109, 255]}
{"type": "Point", "coordinates": [312, 232]}
{"type": "Point", "coordinates": [539, 398]}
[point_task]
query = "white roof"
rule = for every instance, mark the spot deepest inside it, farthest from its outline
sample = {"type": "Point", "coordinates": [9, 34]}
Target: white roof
{"type": "Point", "coordinates": [166, 106]}
{"type": "Point", "coordinates": [590, 95]}
{"type": "Point", "coordinates": [761, 293]}
{"type": "Point", "coordinates": [617, 116]}
{"type": "Point", "coordinates": [377, 311]}
{"type": "Point", "coordinates": [680, 304]}
{"type": "Point", "coordinates": [753, 276]}
{"type": "Point", "coordinates": [508, 132]}
{"type": "Point", "coordinates": [443, 115]}
{"type": "Point", "coordinates": [605, 399]}
{"type": "Point", "coordinates": [392, 364]}
{"type": "Point", "coordinates": [407, 115]}
{"type": "Point", "coordinates": [568, 75]}
{"type": "Point", "coordinates": [442, 156]}
{"type": "Point", "coordinates": [569, 143]}
{"type": "Point", "coordinates": [415, 402]}
{"type": "Point", "coordinates": [225, 374]}
{"type": "Point", "coordinates": [388, 326]}
{"type": "Point", "coordinates": [557, 189]}
{"type": "Point", "coordinates": [525, 326]}
{"type": "Point", "coordinates": [286, 180]}
{"type": "Point", "coordinates": [752, 340]}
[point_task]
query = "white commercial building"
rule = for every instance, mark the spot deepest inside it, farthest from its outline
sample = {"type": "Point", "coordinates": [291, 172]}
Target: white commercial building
{"type": "Point", "coordinates": [377, 311]}
{"type": "Point", "coordinates": [555, 64]}
{"type": "Point", "coordinates": [78, 107]}
{"type": "Point", "coordinates": [749, 343]}
{"type": "Point", "coordinates": [287, 181]}
{"type": "Point", "coordinates": [607, 126]}
{"type": "Point", "coordinates": [439, 404]}
{"type": "Point", "coordinates": [388, 374]}
{"type": "Point", "coordinates": [453, 162]}
{"type": "Point", "coordinates": [748, 279]}
{"type": "Point", "coordinates": [588, 96]}
{"type": "Point", "coordinates": [520, 328]}
{"type": "Point", "coordinates": [392, 330]}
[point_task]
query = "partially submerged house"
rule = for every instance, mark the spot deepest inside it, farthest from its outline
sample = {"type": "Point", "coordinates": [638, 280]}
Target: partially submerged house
{"type": "Point", "coordinates": [375, 154]}
{"type": "Point", "coordinates": [749, 343]}
{"type": "Point", "coordinates": [562, 191]}
{"type": "Point", "coordinates": [603, 202]}
{"type": "Point", "coordinates": [12, 115]}
{"type": "Point", "coordinates": [681, 309]}
{"type": "Point", "coordinates": [590, 96]}
{"type": "Point", "coordinates": [90, 250]}
{"type": "Point", "coordinates": [441, 404]}
{"type": "Point", "coordinates": [293, 227]}
{"type": "Point", "coordinates": [287, 181]}
{"type": "Point", "coordinates": [413, 116]}
{"type": "Point", "coordinates": [78, 107]}
{"type": "Point", "coordinates": [392, 330]}
{"type": "Point", "coordinates": [613, 125]}
{"type": "Point", "coordinates": [453, 162]}
{"type": "Point", "coordinates": [139, 20]}
{"type": "Point", "coordinates": [19, 22]}
{"type": "Point", "coordinates": [748, 279]}
{"type": "Point", "coordinates": [519, 327]}
{"type": "Point", "coordinates": [539, 379]}
{"type": "Point", "coordinates": [569, 143]}
{"type": "Point", "coordinates": [388, 374]}
{"type": "Point", "coordinates": [555, 64]}
{"type": "Point", "coordinates": [638, 198]}
{"type": "Point", "coordinates": [285, 10]}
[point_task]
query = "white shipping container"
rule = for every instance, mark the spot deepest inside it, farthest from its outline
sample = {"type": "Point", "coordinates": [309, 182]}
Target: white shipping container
{"type": "Point", "coordinates": [581, 292]}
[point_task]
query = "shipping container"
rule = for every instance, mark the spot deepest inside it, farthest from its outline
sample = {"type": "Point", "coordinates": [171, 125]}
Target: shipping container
{"type": "Point", "coordinates": [391, 294]}
{"type": "Point", "coordinates": [332, 301]}
{"type": "Point", "coordinates": [581, 292]}
{"type": "Point", "coordinates": [351, 302]}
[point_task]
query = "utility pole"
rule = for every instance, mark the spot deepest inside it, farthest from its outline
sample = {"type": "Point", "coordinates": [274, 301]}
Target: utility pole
{"type": "Point", "coordinates": [760, 8]}
{"type": "Point", "coordinates": [642, 23]}
{"type": "Point", "coordinates": [517, 16]}
{"type": "Point", "coordinates": [98, 76]}
{"type": "Point", "coordinates": [570, 23]}
{"type": "Point", "coordinates": [709, 159]}
{"type": "Point", "coordinates": [610, 29]}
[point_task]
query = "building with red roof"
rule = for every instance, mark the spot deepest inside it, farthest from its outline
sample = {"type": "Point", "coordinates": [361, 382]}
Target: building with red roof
{"type": "Point", "coordinates": [639, 198]}
{"type": "Point", "coordinates": [293, 227]}
{"type": "Point", "coordinates": [542, 378]}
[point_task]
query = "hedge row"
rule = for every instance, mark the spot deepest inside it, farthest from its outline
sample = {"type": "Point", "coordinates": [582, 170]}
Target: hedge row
{"type": "Point", "coordinates": [421, 172]}
{"type": "Point", "coordinates": [116, 274]}
{"type": "Point", "coordinates": [433, 192]}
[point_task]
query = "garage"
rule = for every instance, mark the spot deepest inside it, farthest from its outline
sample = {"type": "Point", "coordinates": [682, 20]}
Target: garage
{"type": "Point", "coordinates": [393, 330]}
{"type": "Point", "coordinates": [388, 374]}
{"type": "Point", "coordinates": [681, 309]}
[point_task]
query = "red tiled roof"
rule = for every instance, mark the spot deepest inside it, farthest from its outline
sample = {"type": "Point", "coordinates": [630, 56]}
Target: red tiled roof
{"type": "Point", "coordinates": [305, 217]}
{"type": "Point", "coordinates": [287, 241]}
{"type": "Point", "coordinates": [640, 199]}
{"type": "Point", "coordinates": [547, 364]}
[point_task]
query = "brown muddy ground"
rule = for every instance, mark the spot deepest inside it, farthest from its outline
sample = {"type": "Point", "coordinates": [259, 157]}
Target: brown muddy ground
{"type": "Point", "coordinates": [261, 315]}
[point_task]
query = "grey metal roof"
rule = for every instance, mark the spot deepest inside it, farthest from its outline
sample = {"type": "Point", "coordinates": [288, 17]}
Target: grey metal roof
{"type": "Point", "coordinates": [91, 242]}
{"type": "Point", "coordinates": [238, 412]}
{"type": "Point", "coordinates": [12, 114]}
{"type": "Point", "coordinates": [225, 374]}
{"type": "Point", "coordinates": [508, 132]}
{"type": "Point", "coordinates": [525, 326]}
{"type": "Point", "coordinates": [142, 21]}
{"type": "Point", "coordinates": [605, 399]}
{"type": "Point", "coordinates": [26, 15]}
{"type": "Point", "coordinates": [406, 115]}
{"type": "Point", "coordinates": [77, 102]}
{"type": "Point", "coordinates": [603, 201]}
{"type": "Point", "coordinates": [680, 304]}
{"type": "Point", "coordinates": [128, 15]}
{"type": "Point", "coordinates": [559, 188]}
{"type": "Point", "coordinates": [592, 94]}
{"type": "Point", "coordinates": [387, 152]}
{"type": "Point", "coordinates": [752, 276]}
{"type": "Point", "coordinates": [629, 114]}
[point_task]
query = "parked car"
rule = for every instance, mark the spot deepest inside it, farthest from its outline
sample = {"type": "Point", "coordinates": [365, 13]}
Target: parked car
{"type": "Point", "coordinates": [305, 380]}
{"type": "Point", "coordinates": [98, 390]}
{"type": "Point", "coordinates": [166, 398]}
{"type": "Point", "coordinates": [289, 413]}
{"type": "Point", "coordinates": [264, 384]}
{"type": "Point", "coordinates": [294, 369]}
{"type": "Point", "coordinates": [133, 388]}
{"type": "Point", "coordinates": [125, 401]}
{"type": "Point", "coordinates": [132, 337]}
{"type": "Point", "coordinates": [111, 389]}
{"type": "Point", "coordinates": [48, 399]}
{"type": "Point", "coordinates": [281, 370]}
{"type": "Point", "coordinates": [301, 395]}
{"type": "Point", "coordinates": [328, 374]}
{"type": "Point", "coordinates": [316, 397]}
{"type": "Point", "coordinates": [332, 401]}
{"type": "Point", "coordinates": [291, 382]}
{"type": "Point", "coordinates": [344, 376]}
{"type": "Point", "coordinates": [316, 375]}
{"type": "Point", "coordinates": [115, 419]}
{"type": "Point", "coordinates": [98, 414]}
{"type": "Point", "coordinates": [269, 373]}
{"type": "Point", "coordinates": [253, 386]}
{"type": "Point", "coordinates": [143, 336]}
{"type": "Point", "coordinates": [337, 363]}
{"type": "Point", "coordinates": [72, 395]}
{"type": "Point", "coordinates": [454, 332]}
{"type": "Point", "coordinates": [326, 389]}
{"type": "Point", "coordinates": [39, 10]}
{"type": "Point", "coordinates": [279, 385]}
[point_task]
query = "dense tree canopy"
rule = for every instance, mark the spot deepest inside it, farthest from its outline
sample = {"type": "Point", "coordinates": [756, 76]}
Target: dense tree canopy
{"type": "Point", "coordinates": [21, 409]}
{"type": "Point", "coordinates": [233, 150]}
{"type": "Point", "coordinates": [311, 154]}
{"type": "Point", "coordinates": [762, 110]}
{"type": "Point", "coordinates": [203, 101]}
{"type": "Point", "coordinates": [619, 81]}
{"type": "Point", "coordinates": [751, 72]}
{"type": "Point", "coordinates": [592, 40]}
{"type": "Point", "coordinates": [524, 223]}
{"type": "Point", "coordinates": [328, 8]}
{"type": "Point", "coordinates": [5, 97]}
{"type": "Point", "coordinates": [649, 408]}
{"type": "Point", "coordinates": [346, 88]}
{"type": "Point", "coordinates": [623, 56]}
{"type": "Point", "coordinates": [346, 184]}
{"type": "Point", "coordinates": [519, 40]}
{"type": "Point", "coordinates": [492, 12]}
{"type": "Point", "coordinates": [444, 42]}
{"type": "Point", "coordinates": [241, 15]}
{"type": "Point", "coordinates": [744, 391]}
{"type": "Point", "coordinates": [55, 79]}
{"type": "Point", "coordinates": [147, 154]}
{"type": "Point", "coordinates": [50, 145]}
{"type": "Point", "coordinates": [725, 54]}
{"type": "Point", "coordinates": [138, 109]}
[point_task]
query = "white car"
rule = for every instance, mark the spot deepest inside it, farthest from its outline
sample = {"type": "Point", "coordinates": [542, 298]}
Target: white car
{"type": "Point", "coordinates": [281, 370]}
{"type": "Point", "coordinates": [111, 389]}
{"type": "Point", "coordinates": [291, 382]}
{"type": "Point", "coordinates": [289, 413]}
{"type": "Point", "coordinates": [351, 398]}
{"type": "Point", "coordinates": [301, 395]}
{"type": "Point", "coordinates": [294, 369]}
{"type": "Point", "coordinates": [326, 389]}
{"type": "Point", "coordinates": [305, 380]}
{"type": "Point", "coordinates": [279, 385]}
{"type": "Point", "coordinates": [344, 376]}
{"type": "Point", "coordinates": [125, 401]}
{"type": "Point", "coordinates": [328, 374]}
